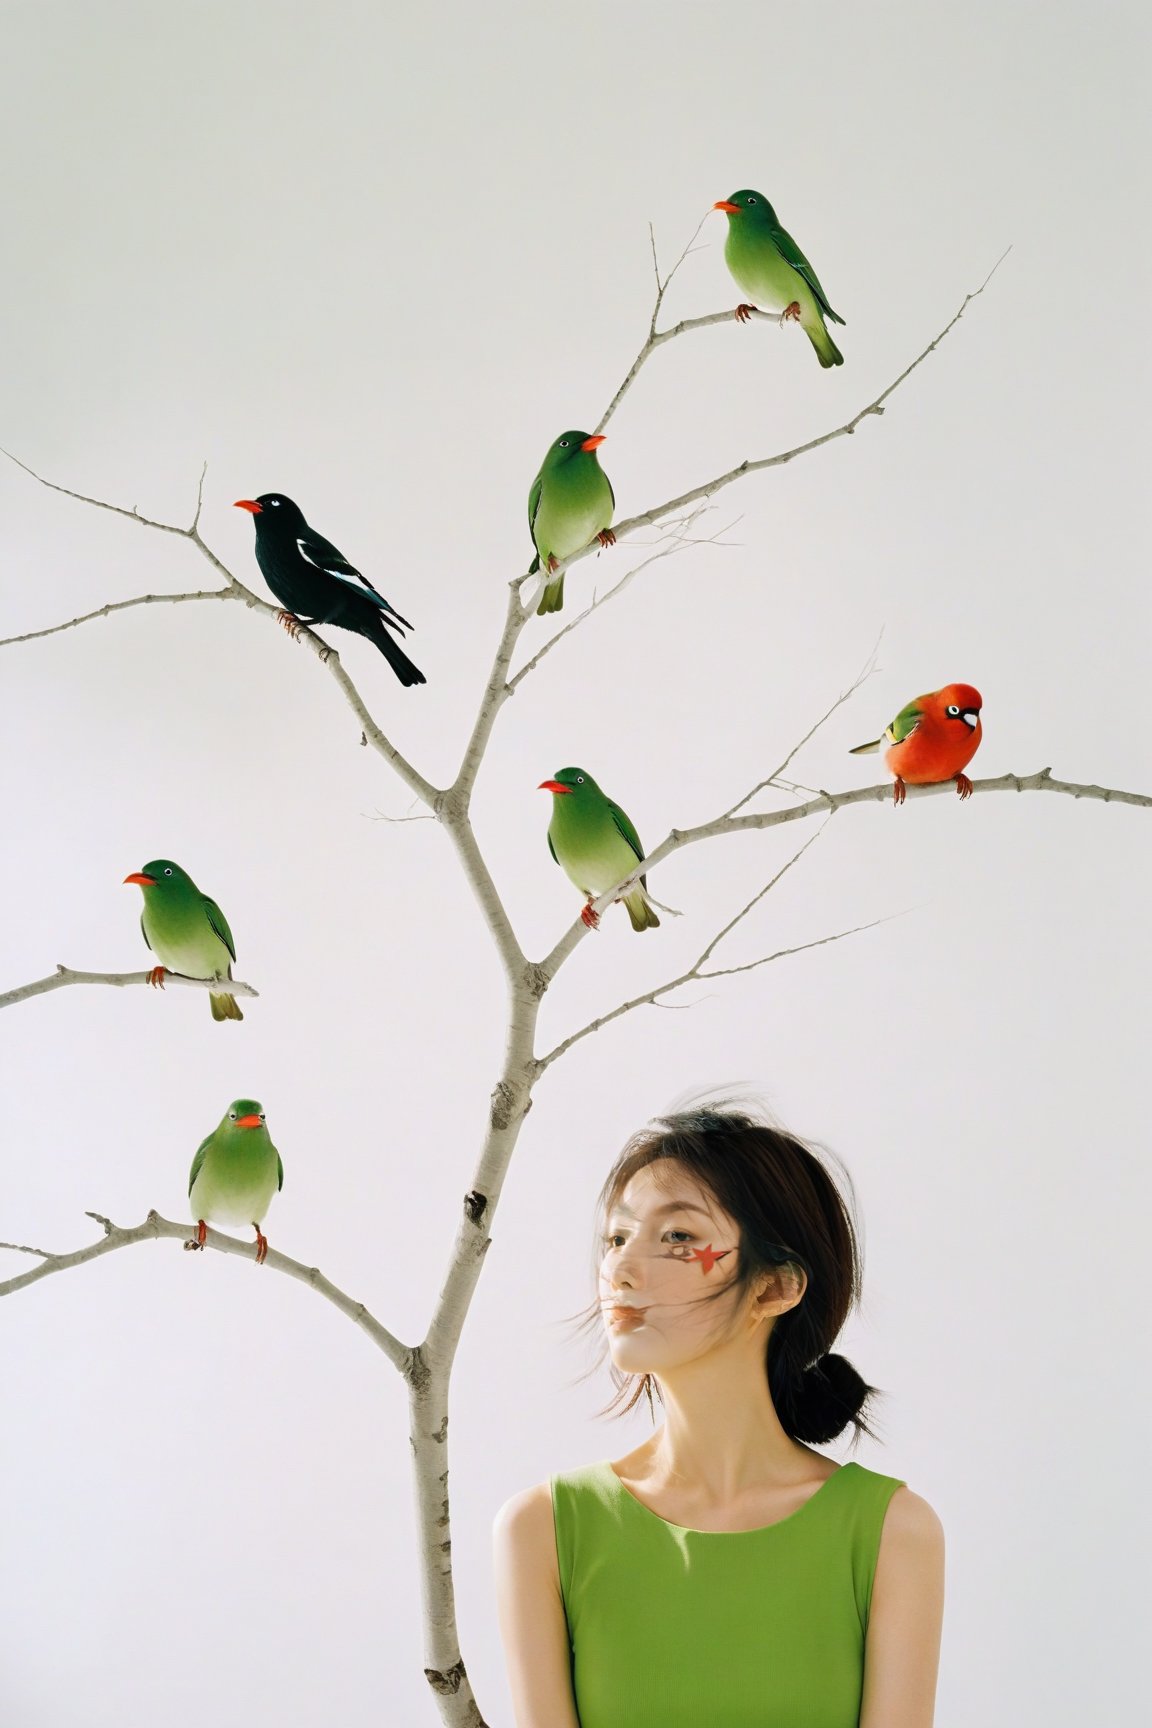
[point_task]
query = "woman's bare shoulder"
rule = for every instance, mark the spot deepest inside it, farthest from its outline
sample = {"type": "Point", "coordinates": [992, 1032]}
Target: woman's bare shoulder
{"type": "Point", "coordinates": [911, 1525]}
{"type": "Point", "coordinates": [524, 1534]}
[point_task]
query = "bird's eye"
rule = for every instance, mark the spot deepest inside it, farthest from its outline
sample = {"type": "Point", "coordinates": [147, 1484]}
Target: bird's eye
{"type": "Point", "coordinates": [751, 200]}
{"type": "Point", "coordinates": [261, 1115]}
{"type": "Point", "coordinates": [579, 779]}
{"type": "Point", "coordinates": [232, 1115]}
{"type": "Point", "coordinates": [563, 443]}
{"type": "Point", "coordinates": [168, 870]}
{"type": "Point", "coordinates": [953, 710]}
{"type": "Point", "coordinates": [275, 503]}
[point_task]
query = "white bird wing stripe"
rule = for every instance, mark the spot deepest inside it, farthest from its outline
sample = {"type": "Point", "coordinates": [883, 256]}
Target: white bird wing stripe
{"type": "Point", "coordinates": [307, 556]}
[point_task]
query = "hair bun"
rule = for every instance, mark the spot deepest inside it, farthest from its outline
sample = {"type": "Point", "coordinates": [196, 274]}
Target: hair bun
{"type": "Point", "coordinates": [830, 1395]}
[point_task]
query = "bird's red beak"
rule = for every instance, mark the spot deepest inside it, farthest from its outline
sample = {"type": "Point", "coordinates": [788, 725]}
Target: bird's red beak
{"type": "Point", "coordinates": [139, 877]}
{"type": "Point", "coordinates": [552, 786]}
{"type": "Point", "coordinates": [732, 209]}
{"type": "Point", "coordinates": [247, 1121]}
{"type": "Point", "coordinates": [249, 504]}
{"type": "Point", "coordinates": [591, 443]}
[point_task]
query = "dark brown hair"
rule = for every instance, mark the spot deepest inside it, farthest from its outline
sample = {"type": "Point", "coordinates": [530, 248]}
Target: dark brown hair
{"type": "Point", "coordinates": [791, 1214]}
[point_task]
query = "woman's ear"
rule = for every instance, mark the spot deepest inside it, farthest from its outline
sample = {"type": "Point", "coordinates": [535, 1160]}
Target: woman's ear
{"type": "Point", "coordinates": [779, 1290]}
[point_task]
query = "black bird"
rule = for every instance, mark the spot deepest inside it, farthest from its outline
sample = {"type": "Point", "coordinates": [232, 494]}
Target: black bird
{"type": "Point", "coordinates": [315, 584]}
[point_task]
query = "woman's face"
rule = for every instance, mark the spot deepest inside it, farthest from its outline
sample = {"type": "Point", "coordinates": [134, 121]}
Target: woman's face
{"type": "Point", "coordinates": [667, 1245]}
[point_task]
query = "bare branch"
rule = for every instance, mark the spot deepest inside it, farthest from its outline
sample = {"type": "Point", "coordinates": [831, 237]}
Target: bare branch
{"type": "Point", "coordinates": [233, 590]}
{"type": "Point", "coordinates": [133, 515]}
{"type": "Point", "coordinates": [696, 971]}
{"type": "Point", "coordinates": [119, 606]}
{"type": "Point", "coordinates": [655, 339]}
{"type": "Point", "coordinates": [1041, 781]}
{"type": "Point", "coordinates": [154, 1227]}
{"type": "Point", "coordinates": [677, 542]}
{"type": "Point", "coordinates": [773, 779]}
{"type": "Point", "coordinates": [710, 487]}
{"type": "Point", "coordinates": [65, 975]}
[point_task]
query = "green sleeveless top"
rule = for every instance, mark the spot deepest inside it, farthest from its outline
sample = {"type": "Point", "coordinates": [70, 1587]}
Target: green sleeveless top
{"type": "Point", "coordinates": [675, 1628]}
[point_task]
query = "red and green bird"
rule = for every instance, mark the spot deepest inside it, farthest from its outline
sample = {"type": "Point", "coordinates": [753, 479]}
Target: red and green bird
{"type": "Point", "coordinates": [931, 740]}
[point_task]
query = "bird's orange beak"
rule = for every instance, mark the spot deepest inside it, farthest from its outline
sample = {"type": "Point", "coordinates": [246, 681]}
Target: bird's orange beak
{"type": "Point", "coordinates": [249, 504]}
{"type": "Point", "coordinates": [591, 443]}
{"type": "Point", "coordinates": [732, 209]}
{"type": "Point", "coordinates": [247, 1121]}
{"type": "Point", "coordinates": [552, 786]}
{"type": "Point", "coordinates": [139, 877]}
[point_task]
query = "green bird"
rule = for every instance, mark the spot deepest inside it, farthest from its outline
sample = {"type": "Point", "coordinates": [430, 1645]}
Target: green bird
{"type": "Point", "coordinates": [186, 931]}
{"type": "Point", "coordinates": [570, 504]}
{"type": "Point", "coordinates": [767, 264]}
{"type": "Point", "coordinates": [235, 1174]}
{"type": "Point", "coordinates": [595, 845]}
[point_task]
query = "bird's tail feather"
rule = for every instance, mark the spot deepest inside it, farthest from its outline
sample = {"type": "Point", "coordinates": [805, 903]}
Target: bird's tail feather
{"type": "Point", "coordinates": [552, 599]}
{"type": "Point", "coordinates": [866, 749]}
{"type": "Point", "coordinates": [224, 1007]}
{"type": "Point", "coordinates": [405, 670]}
{"type": "Point", "coordinates": [640, 910]}
{"type": "Point", "coordinates": [826, 350]}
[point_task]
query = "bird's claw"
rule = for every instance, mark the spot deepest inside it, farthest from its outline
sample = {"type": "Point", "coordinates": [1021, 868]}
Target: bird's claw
{"type": "Point", "coordinates": [553, 563]}
{"type": "Point", "coordinates": [606, 537]}
{"type": "Point", "coordinates": [590, 917]}
{"type": "Point", "coordinates": [199, 1239]}
{"type": "Point", "coordinates": [899, 791]}
{"type": "Point", "coordinates": [157, 976]}
{"type": "Point", "coordinates": [261, 1245]}
{"type": "Point", "coordinates": [290, 622]}
{"type": "Point", "coordinates": [744, 312]}
{"type": "Point", "coordinates": [790, 312]}
{"type": "Point", "coordinates": [963, 785]}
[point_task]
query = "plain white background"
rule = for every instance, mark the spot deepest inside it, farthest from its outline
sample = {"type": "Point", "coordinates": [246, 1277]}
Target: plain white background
{"type": "Point", "coordinates": [378, 260]}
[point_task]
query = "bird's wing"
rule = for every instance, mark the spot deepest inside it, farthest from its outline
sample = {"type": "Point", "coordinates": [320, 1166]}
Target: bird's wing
{"type": "Point", "coordinates": [219, 924]}
{"type": "Point", "coordinates": [789, 251]}
{"type": "Point", "coordinates": [626, 829]}
{"type": "Point", "coordinates": [534, 505]}
{"type": "Point", "coordinates": [198, 1162]}
{"type": "Point", "coordinates": [279, 1171]}
{"type": "Point", "coordinates": [552, 849]}
{"type": "Point", "coordinates": [322, 555]}
{"type": "Point", "coordinates": [144, 933]}
{"type": "Point", "coordinates": [905, 723]}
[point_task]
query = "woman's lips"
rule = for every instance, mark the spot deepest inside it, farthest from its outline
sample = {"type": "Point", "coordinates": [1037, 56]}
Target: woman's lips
{"type": "Point", "coordinates": [626, 1316]}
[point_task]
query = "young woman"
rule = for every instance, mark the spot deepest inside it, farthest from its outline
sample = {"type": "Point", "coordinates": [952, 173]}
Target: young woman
{"type": "Point", "coordinates": [723, 1574]}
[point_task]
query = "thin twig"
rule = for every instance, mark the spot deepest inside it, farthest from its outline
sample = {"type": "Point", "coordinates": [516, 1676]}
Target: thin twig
{"type": "Point", "coordinates": [696, 971]}
{"type": "Point", "coordinates": [772, 779]}
{"type": "Point", "coordinates": [648, 517]}
{"type": "Point", "coordinates": [656, 339]}
{"type": "Point", "coordinates": [65, 975]}
{"type": "Point", "coordinates": [679, 542]}
{"type": "Point", "coordinates": [233, 590]}
{"type": "Point", "coordinates": [679, 838]}
{"type": "Point", "coordinates": [154, 1227]}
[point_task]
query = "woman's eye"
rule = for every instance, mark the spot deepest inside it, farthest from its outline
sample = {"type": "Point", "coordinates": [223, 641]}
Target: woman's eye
{"type": "Point", "coordinates": [687, 1234]}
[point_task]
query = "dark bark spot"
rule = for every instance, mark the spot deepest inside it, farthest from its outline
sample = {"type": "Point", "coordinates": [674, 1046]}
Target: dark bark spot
{"type": "Point", "coordinates": [474, 1204]}
{"type": "Point", "coordinates": [446, 1681]}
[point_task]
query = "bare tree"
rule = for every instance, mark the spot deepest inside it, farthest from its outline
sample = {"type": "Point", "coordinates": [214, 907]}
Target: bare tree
{"type": "Point", "coordinates": [426, 1366]}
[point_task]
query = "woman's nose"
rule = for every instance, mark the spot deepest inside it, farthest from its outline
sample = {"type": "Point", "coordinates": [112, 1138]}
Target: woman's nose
{"type": "Point", "coordinates": [624, 1270]}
